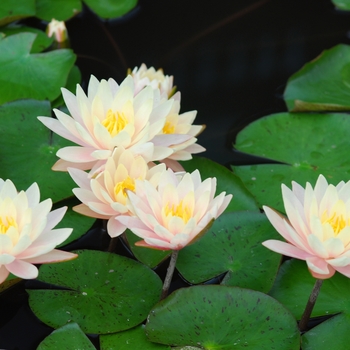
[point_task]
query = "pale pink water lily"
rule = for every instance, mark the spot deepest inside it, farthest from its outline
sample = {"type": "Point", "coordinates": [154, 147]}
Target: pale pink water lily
{"type": "Point", "coordinates": [58, 30]}
{"type": "Point", "coordinates": [144, 76]}
{"type": "Point", "coordinates": [179, 134]}
{"type": "Point", "coordinates": [109, 116]}
{"type": "Point", "coordinates": [104, 196]}
{"type": "Point", "coordinates": [27, 236]}
{"type": "Point", "coordinates": [173, 214]}
{"type": "Point", "coordinates": [318, 226]}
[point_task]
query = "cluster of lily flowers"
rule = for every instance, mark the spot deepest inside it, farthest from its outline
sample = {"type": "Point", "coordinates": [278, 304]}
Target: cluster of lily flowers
{"type": "Point", "coordinates": [129, 139]}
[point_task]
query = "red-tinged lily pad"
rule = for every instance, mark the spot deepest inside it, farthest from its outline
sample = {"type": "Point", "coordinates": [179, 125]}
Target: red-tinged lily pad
{"type": "Point", "coordinates": [322, 84]}
{"type": "Point", "coordinates": [226, 182]}
{"type": "Point", "coordinates": [221, 317]}
{"type": "Point", "coordinates": [306, 144]}
{"type": "Point", "coordinates": [132, 339]}
{"type": "Point", "coordinates": [233, 245]}
{"type": "Point", "coordinates": [103, 293]}
{"type": "Point", "coordinates": [24, 75]}
{"type": "Point", "coordinates": [67, 337]}
{"type": "Point", "coordinates": [28, 149]}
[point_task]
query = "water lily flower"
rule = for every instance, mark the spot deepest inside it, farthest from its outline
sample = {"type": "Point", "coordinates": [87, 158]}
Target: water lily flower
{"type": "Point", "coordinates": [26, 231]}
{"type": "Point", "coordinates": [109, 116]}
{"type": "Point", "coordinates": [173, 214]}
{"type": "Point", "coordinates": [179, 134]}
{"type": "Point", "coordinates": [317, 229]}
{"type": "Point", "coordinates": [58, 30]}
{"type": "Point", "coordinates": [144, 76]}
{"type": "Point", "coordinates": [104, 196]}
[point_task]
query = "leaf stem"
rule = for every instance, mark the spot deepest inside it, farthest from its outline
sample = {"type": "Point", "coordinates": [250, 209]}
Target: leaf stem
{"type": "Point", "coordinates": [309, 306]}
{"type": "Point", "coordinates": [169, 274]}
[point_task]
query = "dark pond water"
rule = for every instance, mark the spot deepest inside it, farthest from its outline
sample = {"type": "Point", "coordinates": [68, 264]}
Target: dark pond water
{"type": "Point", "coordinates": [230, 60]}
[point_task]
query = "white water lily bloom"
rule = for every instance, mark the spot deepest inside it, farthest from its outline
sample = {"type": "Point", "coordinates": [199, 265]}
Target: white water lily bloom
{"type": "Point", "coordinates": [179, 134]}
{"type": "Point", "coordinates": [109, 116]}
{"type": "Point", "coordinates": [173, 214]}
{"type": "Point", "coordinates": [104, 196]}
{"type": "Point", "coordinates": [144, 76]}
{"type": "Point", "coordinates": [318, 227]}
{"type": "Point", "coordinates": [27, 236]}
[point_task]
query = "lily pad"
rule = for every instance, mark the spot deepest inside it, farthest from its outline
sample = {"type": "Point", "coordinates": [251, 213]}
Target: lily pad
{"type": "Point", "coordinates": [111, 8]}
{"type": "Point", "coordinates": [342, 4]}
{"type": "Point", "coordinates": [28, 150]}
{"type": "Point", "coordinates": [149, 257]}
{"type": "Point", "coordinates": [100, 293]}
{"type": "Point", "coordinates": [13, 10]}
{"type": "Point", "coordinates": [61, 10]}
{"type": "Point", "coordinates": [132, 339]}
{"type": "Point", "coordinates": [221, 317]}
{"type": "Point", "coordinates": [226, 181]}
{"type": "Point", "coordinates": [308, 145]}
{"type": "Point", "coordinates": [322, 84]}
{"type": "Point", "coordinates": [67, 337]}
{"type": "Point", "coordinates": [24, 75]}
{"type": "Point", "coordinates": [233, 245]}
{"type": "Point", "coordinates": [41, 42]}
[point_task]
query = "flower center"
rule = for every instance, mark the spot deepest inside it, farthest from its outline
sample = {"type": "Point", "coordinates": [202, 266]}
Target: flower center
{"type": "Point", "coordinates": [123, 186]}
{"type": "Point", "coordinates": [337, 221]}
{"type": "Point", "coordinates": [182, 211]}
{"type": "Point", "coordinates": [6, 223]}
{"type": "Point", "coordinates": [114, 122]}
{"type": "Point", "coordinates": [169, 128]}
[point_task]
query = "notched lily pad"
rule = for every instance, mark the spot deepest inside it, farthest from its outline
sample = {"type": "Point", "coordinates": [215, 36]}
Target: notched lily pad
{"type": "Point", "coordinates": [233, 245]}
{"type": "Point", "coordinates": [104, 293]}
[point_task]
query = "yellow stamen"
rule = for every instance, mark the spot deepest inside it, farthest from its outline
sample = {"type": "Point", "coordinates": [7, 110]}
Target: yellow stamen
{"type": "Point", "coordinates": [123, 186]}
{"type": "Point", "coordinates": [179, 210]}
{"type": "Point", "coordinates": [114, 122]}
{"type": "Point", "coordinates": [336, 220]}
{"type": "Point", "coordinates": [169, 128]}
{"type": "Point", "coordinates": [6, 223]}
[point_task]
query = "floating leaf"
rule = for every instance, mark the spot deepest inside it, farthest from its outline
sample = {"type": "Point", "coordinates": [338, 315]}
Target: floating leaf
{"type": "Point", "coordinates": [322, 84]}
{"type": "Point", "coordinates": [41, 42]}
{"type": "Point", "coordinates": [149, 257]}
{"type": "Point", "coordinates": [13, 10]}
{"type": "Point", "coordinates": [233, 244]}
{"type": "Point", "coordinates": [67, 337]}
{"type": "Point", "coordinates": [132, 339]}
{"type": "Point", "coordinates": [38, 76]}
{"type": "Point", "coordinates": [26, 151]}
{"type": "Point", "coordinates": [111, 8]}
{"type": "Point", "coordinates": [104, 292]}
{"type": "Point", "coordinates": [342, 4]}
{"type": "Point", "coordinates": [226, 181]}
{"type": "Point", "coordinates": [221, 317]}
{"type": "Point", "coordinates": [308, 144]}
{"type": "Point", "coordinates": [61, 10]}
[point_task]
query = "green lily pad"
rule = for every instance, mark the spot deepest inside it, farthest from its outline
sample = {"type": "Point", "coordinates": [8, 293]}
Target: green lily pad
{"type": "Point", "coordinates": [132, 339]}
{"type": "Point", "coordinates": [330, 334]}
{"type": "Point", "coordinates": [226, 181]}
{"type": "Point", "coordinates": [41, 42]}
{"type": "Point", "coordinates": [13, 10]}
{"type": "Point", "coordinates": [28, 150]}
{"type": "Point", "coordinates": [149, 257]}
{"type": "Point", "coordinates": [308, 145]}
{"type": "Point", "coordinates": [342, 4]}
{"type": "Point", "coordinates": [61, 10]}
{"type": "Point", "coordinates": [67, 337]}
{"type": "Point", "coordinates": [322, 84]}
{"type": "Point", "coordinates": [111, 8]}
{"type": "Point", "coordinates": [221, 317]}
{"type": "Point", "coordinates": [294, 284]}
{"type": "Point", "coordinates": [24, 75]}
{"type": "Point", "coordinates": [104, 292]}
{"type": "Point", "coordinates": [233, 245]}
